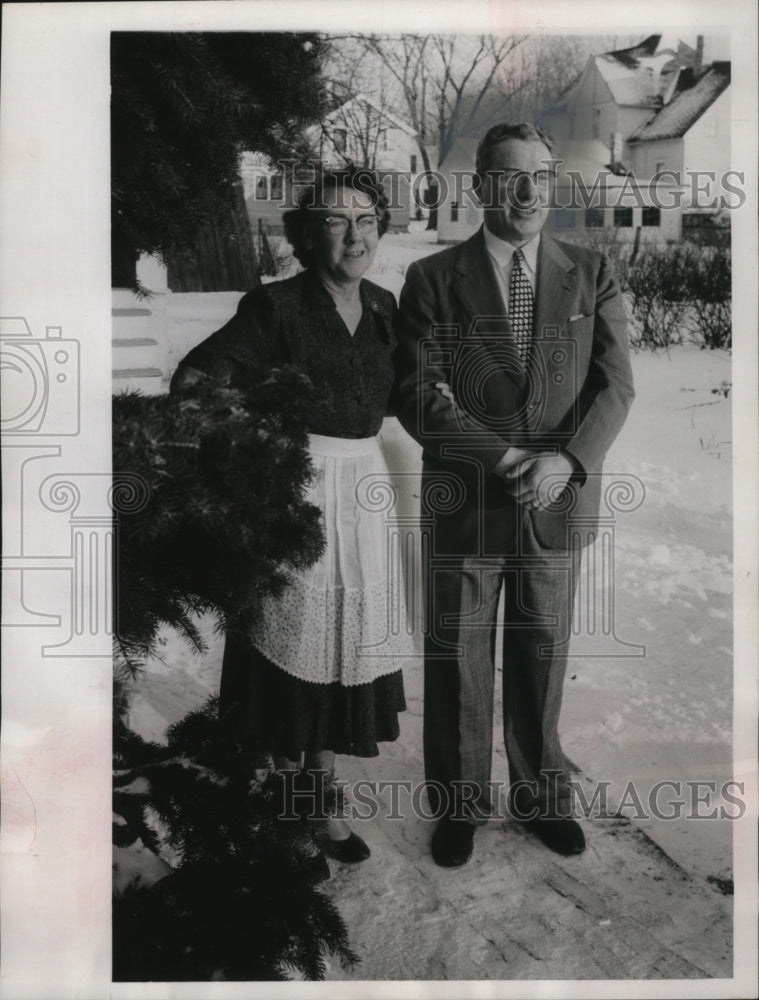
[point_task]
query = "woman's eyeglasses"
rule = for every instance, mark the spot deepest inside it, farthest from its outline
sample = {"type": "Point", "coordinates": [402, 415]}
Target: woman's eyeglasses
{"type": "Point", "coordinates": [339, 225]}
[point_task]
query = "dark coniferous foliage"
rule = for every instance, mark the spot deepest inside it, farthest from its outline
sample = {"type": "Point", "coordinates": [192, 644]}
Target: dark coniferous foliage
{"type": "Point", "coordinates": [183, 108]}
{"type": "Point", "coordinates": [242, 903]}
{"type": "Point", "coordinates": [210, 881]}
{"type": "Point", "coordinates": [209, 504]}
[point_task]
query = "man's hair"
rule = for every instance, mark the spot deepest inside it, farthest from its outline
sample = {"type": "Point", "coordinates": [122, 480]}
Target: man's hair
{"type": "Point", "coordinates": [298, 221]}
{"type": "Point", "coordinates": [525, 131]}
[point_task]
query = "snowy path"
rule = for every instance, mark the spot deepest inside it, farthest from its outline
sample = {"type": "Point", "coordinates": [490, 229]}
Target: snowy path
{"type": "Point", "coordinates": [623, 910]}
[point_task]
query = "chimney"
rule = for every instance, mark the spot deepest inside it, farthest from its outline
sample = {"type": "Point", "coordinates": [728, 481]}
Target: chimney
{"type": "Point", "coordinates": [699, 60]}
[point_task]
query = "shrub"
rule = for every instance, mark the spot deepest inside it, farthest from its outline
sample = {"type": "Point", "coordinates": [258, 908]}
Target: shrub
{"type": "Point", "coordinates": [659, 290]}
{"type": "Point", "coordinates": [618, 252]}
{"type": "Point", "coordinates": [711, 291]}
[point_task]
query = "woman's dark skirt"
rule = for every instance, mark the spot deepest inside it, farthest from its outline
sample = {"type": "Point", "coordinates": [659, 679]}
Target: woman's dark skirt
{"type": "Point", "coordinates": [284, 715]}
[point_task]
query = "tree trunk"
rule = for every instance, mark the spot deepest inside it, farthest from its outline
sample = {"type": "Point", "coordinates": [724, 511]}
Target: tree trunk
{"type": "Point", "coordinates": [226, 260]}
{"type": "Point", "coordinates": [429, 174]}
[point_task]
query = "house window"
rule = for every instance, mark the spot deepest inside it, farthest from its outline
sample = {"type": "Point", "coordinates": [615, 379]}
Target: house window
{"type": "Point", "coordinates": [413, 163]}
{"type": "Point", "coordinates": [623, 218]}
{"type": "Point", "coordinates": [594, 218]}
{"type": "Point", "coordinates": [276, 187]}
{"type": "Point", "coordinates": [262, 188]}
{"type": "Point", "coordinates": [659, 166]}
{"type": "Point", "coordinates": [454, 211]}
{"type": "Point", "coordinates": [651, 217]}
{"type": "Point", "coordinates": [596, 123]}
{"type": "Point", "coordinates": [564, 218]}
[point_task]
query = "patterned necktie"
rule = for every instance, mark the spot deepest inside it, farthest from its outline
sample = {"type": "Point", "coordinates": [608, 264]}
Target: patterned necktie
{"type": "Point", "coordinates": [520, 307]}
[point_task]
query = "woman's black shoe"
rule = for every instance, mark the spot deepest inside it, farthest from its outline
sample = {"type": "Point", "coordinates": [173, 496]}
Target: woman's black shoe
{"type": "Point", "coordinates": [316, 868]}
{"type": "Point", "coordinates": [349, 851]}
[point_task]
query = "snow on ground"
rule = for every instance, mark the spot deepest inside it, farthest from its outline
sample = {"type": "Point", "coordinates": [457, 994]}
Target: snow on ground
{"type": "Point", "coordinates": [625, 909]}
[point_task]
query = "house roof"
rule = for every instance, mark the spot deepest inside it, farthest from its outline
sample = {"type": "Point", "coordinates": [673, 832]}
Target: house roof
{"type": "Point", "coordinates": [580, 154]}
{"type": "Point", "coordinates": [639, 82]}
{"type": "Point", "coordinates": [631, 55]}
{"type": "Point", "coordinates": [366, 100]}
{"type": "Point", "coordinates": [588, 158]}
{"type": "Point", "coordinates": [686, 107]}
{"type": "Point", "coordinates": [639, 76]}
{"type": "Point", "coordinates": [460, 155]}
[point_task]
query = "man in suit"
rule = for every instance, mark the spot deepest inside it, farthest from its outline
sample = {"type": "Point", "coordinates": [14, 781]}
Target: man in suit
{"type": "Point", "coordinates": [514, 376]}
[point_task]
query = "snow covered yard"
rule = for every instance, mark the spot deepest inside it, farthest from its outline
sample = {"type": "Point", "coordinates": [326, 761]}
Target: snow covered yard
{"type": "Point", "coordinates": [639, 903]}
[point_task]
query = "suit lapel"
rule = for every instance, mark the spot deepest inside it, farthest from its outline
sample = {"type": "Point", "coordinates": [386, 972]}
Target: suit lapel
{"type": "Point", "coordinates": [556, 287]}
{"type": "Point", "coordinates": [474, 282]}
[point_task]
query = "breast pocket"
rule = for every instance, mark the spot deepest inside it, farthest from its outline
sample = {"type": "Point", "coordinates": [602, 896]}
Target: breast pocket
{"type": "Point", "coordinates": [577, 340]}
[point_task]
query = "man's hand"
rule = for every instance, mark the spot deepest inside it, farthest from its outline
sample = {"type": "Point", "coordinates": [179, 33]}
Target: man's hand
{"type": "Point", "coordinates": [511, 460]}
{"type": "Point", "coordinates": [537, 480]}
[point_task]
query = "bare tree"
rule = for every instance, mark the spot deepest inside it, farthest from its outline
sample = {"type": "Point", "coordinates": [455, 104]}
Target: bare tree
{"type": "Point", "coordinates": [477, 81]}
{"type": "Point", "coordinates": [356, 123]}
{"type": "Point", "coordinates": [355, 130]}
{"type": "Point", "coordinates": [404, 57]}
{"type": "Point", "coordinates": [551, 63]}
{"type": "Point", "coordinates": [453, 86]}
{"type": "Point", "coordinates": [447, 84]}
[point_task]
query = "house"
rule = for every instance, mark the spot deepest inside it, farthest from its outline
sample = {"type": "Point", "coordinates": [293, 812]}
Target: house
{"type": "Point", "coordinates": [459, 213]}
{"type": "Point", "coordinates": [358, 131]}
{"type": "Point", "coordinates": [617, 92]}
{"type": "Point", "coordinates": [592, 194]}
{"type": "Point", "coordinates": [664, 117]}
{"type": "Point", "coordinates": [642, 139]}
{"type": "Point", "coordinates": [597, 196]}
{"type": "Point", "coordinates": [361, 131]}
{"type": "Point", "coordinates": [268, 189]}
{"type": "Point", "coordinates": [689, 138]}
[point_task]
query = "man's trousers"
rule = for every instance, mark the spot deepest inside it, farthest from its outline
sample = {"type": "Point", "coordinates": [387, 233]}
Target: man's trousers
{"type": "Point", "coordinates": [462, 595]}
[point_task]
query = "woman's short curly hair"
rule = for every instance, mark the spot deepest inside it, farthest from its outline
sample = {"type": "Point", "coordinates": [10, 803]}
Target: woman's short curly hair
{"type": "Point", "coordinates": [298, 220]}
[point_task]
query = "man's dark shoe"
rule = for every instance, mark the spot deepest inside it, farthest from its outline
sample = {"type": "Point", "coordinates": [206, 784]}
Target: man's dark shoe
{"type": "Point", "coordinates": [562, 834]}
{"type": "Point", "coordinates": [452, 842]}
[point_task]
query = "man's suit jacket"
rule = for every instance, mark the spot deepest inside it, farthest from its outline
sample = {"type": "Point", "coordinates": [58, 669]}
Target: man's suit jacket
{"type": "Point", "coordinates": [574, 396]}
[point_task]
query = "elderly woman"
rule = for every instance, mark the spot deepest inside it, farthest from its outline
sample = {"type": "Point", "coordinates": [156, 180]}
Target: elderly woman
{"type": "Point", "coordinates": [322, 672]}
